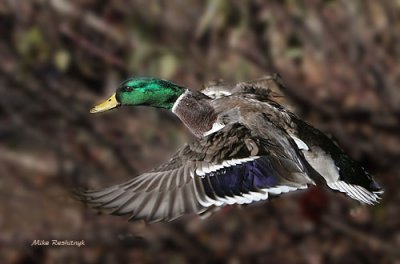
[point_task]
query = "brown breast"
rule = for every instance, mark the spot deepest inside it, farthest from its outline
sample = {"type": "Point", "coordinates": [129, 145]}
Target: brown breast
{"type": "Point", "coordinates": [195, 111]}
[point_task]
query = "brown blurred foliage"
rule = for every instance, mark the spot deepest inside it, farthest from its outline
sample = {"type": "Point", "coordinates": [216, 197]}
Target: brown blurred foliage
{"type": "Point", "coordinates": [340, 60]}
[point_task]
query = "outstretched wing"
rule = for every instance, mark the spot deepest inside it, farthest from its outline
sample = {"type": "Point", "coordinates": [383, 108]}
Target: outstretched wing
{"type": "Point", "coordinates": [162, 194]}
{"type": "Point", "coordinates": [233, 165]}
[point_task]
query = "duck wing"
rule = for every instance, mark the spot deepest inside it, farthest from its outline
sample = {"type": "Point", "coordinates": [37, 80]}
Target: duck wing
{"type": "Point", "coordinates": [269, 87]}
{"type": "Point", "coordinates": [232, 166]}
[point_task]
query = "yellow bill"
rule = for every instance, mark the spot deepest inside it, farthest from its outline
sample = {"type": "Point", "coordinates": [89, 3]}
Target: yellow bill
{"type": "Point", "coordinates": [108, 104]}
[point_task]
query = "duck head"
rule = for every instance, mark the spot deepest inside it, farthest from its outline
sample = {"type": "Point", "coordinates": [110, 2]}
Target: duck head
{"type": "Point", "coordinates": [142, 91]}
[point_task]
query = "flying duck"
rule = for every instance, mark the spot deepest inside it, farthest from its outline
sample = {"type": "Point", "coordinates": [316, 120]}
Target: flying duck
{"type": "Point", "coordinates": [248, 148]}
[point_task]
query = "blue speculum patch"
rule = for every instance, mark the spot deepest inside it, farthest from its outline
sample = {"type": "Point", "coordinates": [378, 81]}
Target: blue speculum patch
{"type": "Point", "coordinates": [241, 178]}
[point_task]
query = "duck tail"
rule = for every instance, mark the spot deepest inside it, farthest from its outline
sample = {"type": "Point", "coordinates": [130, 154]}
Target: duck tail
{"type": "Point", "coordinates": [357, 183]}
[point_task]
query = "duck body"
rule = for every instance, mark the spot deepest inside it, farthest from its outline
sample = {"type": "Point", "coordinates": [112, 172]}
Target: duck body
{"type": "Point", "coordinates": [248, 148]}
{"type": "Point", "coordinates": [327, 163]}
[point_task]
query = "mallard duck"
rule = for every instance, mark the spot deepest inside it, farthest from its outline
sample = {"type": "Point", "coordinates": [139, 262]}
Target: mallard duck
{"type": "Point", "coordinates": [248, 148]}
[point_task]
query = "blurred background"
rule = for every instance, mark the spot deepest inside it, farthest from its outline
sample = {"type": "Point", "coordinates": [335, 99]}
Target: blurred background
{"type": "Point", "coordinates": [340, 60]}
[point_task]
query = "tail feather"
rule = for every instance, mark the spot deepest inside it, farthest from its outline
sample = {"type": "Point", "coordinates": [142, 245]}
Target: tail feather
{"type": "Point", "coordinates": [335, 168]}
{"type": "Point", "coordinates": [357, 192]}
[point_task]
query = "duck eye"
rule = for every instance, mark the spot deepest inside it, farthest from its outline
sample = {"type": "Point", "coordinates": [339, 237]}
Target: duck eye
{"type": "Point", "coordinates": [127, 89]}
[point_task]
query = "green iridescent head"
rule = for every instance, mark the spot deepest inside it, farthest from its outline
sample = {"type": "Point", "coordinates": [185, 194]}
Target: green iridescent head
{"type": "Point", "coordinates": [142, 91]}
